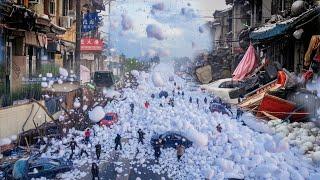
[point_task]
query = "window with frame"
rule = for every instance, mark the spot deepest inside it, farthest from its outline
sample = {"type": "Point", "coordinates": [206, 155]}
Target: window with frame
{"type": "Point", "coordinates": [65, 7]}
{"type": "Point", "coordinates": [52, 7]}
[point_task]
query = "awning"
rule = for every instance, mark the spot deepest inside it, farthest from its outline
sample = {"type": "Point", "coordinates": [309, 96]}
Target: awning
{"type": "Point", "coordinates": [272, 31]}
{"type": "Point", "coordinates": [57, 29]}
{"type": "Point", "coordinates": [36, 39]}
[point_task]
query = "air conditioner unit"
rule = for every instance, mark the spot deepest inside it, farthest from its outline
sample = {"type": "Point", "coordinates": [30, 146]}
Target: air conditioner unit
{"type": "Point", "coordinates": [72, 13]}
{"type": "Point", "coordinates": [34, 1]}
{"type": "Point", "coordinates": [65, 21]}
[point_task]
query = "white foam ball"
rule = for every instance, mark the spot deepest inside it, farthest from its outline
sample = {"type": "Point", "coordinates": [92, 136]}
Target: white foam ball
{"type": "Point", "coordinates": [60, 81]}
{"type": "Point", "coordinates": [5, 141]}
{"type": "Point", "coordinates": [157, 79]}
{"type": "Point", "coordinates": [96, 114]}
{"type": "Point", "coordinates": [44, 84]}
{"type": "Point", "coordinates": [63, 72]}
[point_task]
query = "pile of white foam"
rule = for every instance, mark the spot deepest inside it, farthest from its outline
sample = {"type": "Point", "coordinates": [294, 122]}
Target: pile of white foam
{"type": "Point", "coordinates": [306, 136]}
{"type": "Point", "coordinates": [251, 152]}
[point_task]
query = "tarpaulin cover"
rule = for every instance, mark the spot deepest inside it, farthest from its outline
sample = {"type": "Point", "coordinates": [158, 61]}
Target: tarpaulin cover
{"type": "Point", "coordinates": [271, 31]}
{"type": "Point", "coordinates": [247, 64]}
{"type": "Point", "coordinates": [20, 169]}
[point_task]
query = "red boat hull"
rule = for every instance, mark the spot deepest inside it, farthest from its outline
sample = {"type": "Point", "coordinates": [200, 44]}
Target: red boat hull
{"type": "Point", "coordinates": [280, 108]}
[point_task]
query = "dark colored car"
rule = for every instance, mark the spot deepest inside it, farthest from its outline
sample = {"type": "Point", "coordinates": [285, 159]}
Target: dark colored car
{"type": "Point", "coordinates": [109, 119]}
{"type": "Point", "coordinates": [163, 94]}
{"type": "Point", "coordinates": [171, 140]}
{"type": "Point", "coordinates": [103, 78]}
{"type": "Point", "coordinates": [36, 168]}
{"type": "Point", "coordinates": [216, 107]}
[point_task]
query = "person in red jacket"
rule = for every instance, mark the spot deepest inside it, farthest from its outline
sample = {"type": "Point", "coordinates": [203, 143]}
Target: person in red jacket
{"type": "Point", "coordinates": [146, 104]}
{"type": "Point", "coordinates": [87, 134]}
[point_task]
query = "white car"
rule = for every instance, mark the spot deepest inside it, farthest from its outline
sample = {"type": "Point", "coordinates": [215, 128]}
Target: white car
{"type": "Point", "coordinates": [227, 89]}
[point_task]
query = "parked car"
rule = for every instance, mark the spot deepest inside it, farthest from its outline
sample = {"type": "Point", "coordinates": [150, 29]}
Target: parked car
{"type": "Point", "coordinates": [227, 89]}
{"type": "Point", "coordinates": [109, 119]}
{"type": "Point", "coordinates": [216, 107]}
{"type": "Point", "coordinates": [171, 140]}
{"type": "Point", "coordinates": [103, 79]}
{"type": "Point", "coordinates": [37, 168]}
{"type": "Point", "coordinates": [163, 94]}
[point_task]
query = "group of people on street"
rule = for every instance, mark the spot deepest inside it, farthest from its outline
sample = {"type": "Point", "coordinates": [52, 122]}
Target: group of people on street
{"type": "Point", "coordinates": [180, 149]}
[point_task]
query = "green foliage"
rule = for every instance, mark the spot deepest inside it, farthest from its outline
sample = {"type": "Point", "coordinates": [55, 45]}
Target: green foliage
{"type": "Point", "coordinates": [29, 91]}
{"type": "Point", "coordinates": [132, 64]}
{"type": "Point", "coordinates": [49, 68]}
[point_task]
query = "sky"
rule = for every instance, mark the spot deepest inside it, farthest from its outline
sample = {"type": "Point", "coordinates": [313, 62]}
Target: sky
{"type": "Point", "coordinates": [167, 28]}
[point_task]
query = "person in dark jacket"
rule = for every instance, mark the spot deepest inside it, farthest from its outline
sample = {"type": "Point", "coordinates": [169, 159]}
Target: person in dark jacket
{"type": "Point", "coordinates": [182, 93]}
{"type": "Point", "coordinates": [118, 142]}
{"type": "Point", "coordinates": [239, 113]}
{"type": "Point", "coordinates": [205, 100]}
{"type": "Point", "coordinates": [132, 107]}
{"type": "Point", "coordinates": [157, 150]}
{"type": "Point", "coordinates": [197, 102]}
{"type": "Point", "coordinates": [219, 128]}
{"type": "Point", "coordinates": [72, 145]}
{"type": "Point", "coordinates": [190, 100]}
{"type": "Point", "coordinates": [141, 136]}
{"type": "Point", "coordinates": [83, 151]}
{"type": "Point", "coordinates": [95, 171]}
{"type": "Point", "coordinates": [153, 96]}
{"type": "Point", "coordinates": [98, 150]}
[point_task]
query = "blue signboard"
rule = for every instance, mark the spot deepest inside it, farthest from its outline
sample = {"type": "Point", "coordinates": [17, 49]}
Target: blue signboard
{"type": "Point", "coordinates": [90, 21]}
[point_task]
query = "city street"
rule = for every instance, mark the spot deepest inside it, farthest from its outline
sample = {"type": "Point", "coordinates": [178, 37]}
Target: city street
{"type": "Point", "coordinates": [160, 89]}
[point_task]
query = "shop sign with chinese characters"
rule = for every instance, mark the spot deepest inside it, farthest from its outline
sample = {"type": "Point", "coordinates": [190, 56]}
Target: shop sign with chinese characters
{"type": "Point", "coordinates": [91, 44]}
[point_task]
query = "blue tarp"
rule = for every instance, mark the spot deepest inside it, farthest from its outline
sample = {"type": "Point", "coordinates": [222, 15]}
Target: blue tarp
{"type": "Point", "coordinates": [20, 169]}
{"type": "Point", "coordinates": [285, 27]}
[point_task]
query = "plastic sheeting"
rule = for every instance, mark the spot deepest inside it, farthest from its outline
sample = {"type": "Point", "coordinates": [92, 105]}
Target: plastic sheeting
{"type": "Point", "coordinates": [247, 64]}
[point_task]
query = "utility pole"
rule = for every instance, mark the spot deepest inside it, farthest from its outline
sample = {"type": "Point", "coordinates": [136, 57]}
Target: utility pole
{"type": "Point", "coordinates": [78, 37]}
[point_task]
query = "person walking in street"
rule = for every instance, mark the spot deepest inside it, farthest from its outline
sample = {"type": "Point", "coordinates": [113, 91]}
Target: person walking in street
{"type": "Point", "coordinates": [190, 100]}
{"type": "Point", "coordinates": [239, 113]}
{"type": "Point", "coordinates": [72, 145]}
{"type": "Point", "coordinates": [118, 142]}
{"type": "Point", "coordinates": [173, 92]}
{"type": "Point", "coordinates": [83, 150]}
{"type": "Point", "coordinates": [87, 134]}
{"type": "Point", "coordinates": [146, 104]}
{"type": "Point", "coordinates": [132, 107]}
{"type": "Point", "coordinates": [98, 150]}
{"type": "Point", "coordinates": [219, 128]}
{"type": "Point", "coordinates": [141, 136]}
{"type": "Point", "coordinates": [174, 83]}
{"type": "Point", "coordinates": [197, 102]}
{"type": "Point", "coordinates": [182, 93]}
{"type": "Point", "coordinates": [153, 96]}
{"type": "Point", "coordinates": [205, 100]}
{"type": "Point", "coordinates": [180, 151]}
{"type": "Point", "coordinates": [157, 150]}
{"type": "Point", "coordinates": [95, 171]}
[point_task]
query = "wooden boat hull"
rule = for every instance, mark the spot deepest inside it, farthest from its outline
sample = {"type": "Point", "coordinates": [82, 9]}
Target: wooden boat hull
{"type": "Point", "coordinates": [280, 108]}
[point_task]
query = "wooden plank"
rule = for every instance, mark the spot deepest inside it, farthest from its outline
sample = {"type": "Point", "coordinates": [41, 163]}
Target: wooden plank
{"type": "Point", "coordinates": [271, 117]}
